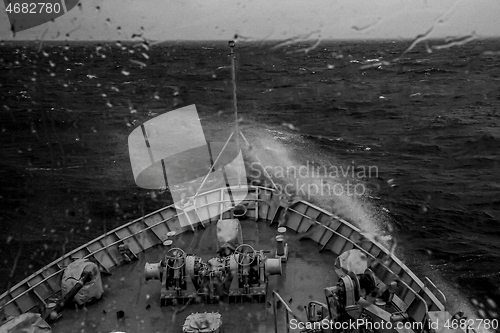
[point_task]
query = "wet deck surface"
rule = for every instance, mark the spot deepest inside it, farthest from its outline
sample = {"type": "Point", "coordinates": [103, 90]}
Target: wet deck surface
{"type": "Point", "coordinates": [305, 275]}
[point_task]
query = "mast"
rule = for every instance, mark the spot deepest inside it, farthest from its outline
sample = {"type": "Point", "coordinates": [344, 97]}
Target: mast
{"type": "Point", "coordinates": [235, 101]}
{"type": "Point", "coordinates": [236, 131]}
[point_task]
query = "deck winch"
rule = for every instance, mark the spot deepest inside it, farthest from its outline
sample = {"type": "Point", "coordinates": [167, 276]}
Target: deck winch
{"type": "Point", "coordinates": [356, 290]}
{"type": "Point", "coordinates": [238, 272]}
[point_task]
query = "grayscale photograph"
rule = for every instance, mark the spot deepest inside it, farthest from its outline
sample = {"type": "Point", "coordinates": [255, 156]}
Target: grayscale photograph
{"type": "Point", "coordinates": [250, 166]}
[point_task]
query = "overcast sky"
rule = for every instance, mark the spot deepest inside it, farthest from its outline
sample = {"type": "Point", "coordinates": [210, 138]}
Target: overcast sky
{"type": "Point", "coordinates": [273, 19]}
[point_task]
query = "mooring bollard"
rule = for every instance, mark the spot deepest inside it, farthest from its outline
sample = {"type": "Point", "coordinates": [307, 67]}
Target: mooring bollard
{"type": "Point", "coordinates": [281, 246]}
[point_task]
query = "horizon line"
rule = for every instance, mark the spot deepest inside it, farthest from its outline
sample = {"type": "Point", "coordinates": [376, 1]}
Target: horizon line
{"type": "Point", "coordinates": [156, 42]}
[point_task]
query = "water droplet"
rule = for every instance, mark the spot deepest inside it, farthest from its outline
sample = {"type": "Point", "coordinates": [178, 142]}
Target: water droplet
{"type": "Point", "coordinates": [491, 303]}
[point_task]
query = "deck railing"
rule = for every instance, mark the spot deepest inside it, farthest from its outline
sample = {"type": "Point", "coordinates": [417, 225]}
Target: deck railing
{"type": "Point", "coordinates": [277, 299]}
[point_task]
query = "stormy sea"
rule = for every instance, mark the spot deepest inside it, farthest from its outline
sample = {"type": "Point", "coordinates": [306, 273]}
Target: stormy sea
{"type": "Point", "coordinates": [416, 128]}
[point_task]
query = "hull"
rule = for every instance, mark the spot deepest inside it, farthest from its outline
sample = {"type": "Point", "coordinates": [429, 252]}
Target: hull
{"type": "Point", "coordinates": [318, 238]}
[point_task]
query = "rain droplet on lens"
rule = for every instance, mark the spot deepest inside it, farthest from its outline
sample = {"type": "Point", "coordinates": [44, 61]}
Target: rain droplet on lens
{"type": "Point", "coordinates": [491, 303]}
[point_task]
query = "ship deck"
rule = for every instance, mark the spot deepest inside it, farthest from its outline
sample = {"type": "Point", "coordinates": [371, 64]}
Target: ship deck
{"type": "Point", "coordinates": [304, 276]}
{"type": "Point", "coordinates": [315, 237]}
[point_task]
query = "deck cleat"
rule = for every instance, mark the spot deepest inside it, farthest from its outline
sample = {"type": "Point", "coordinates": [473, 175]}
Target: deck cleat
{"type": "Point", "coordinates": [126, 253]}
